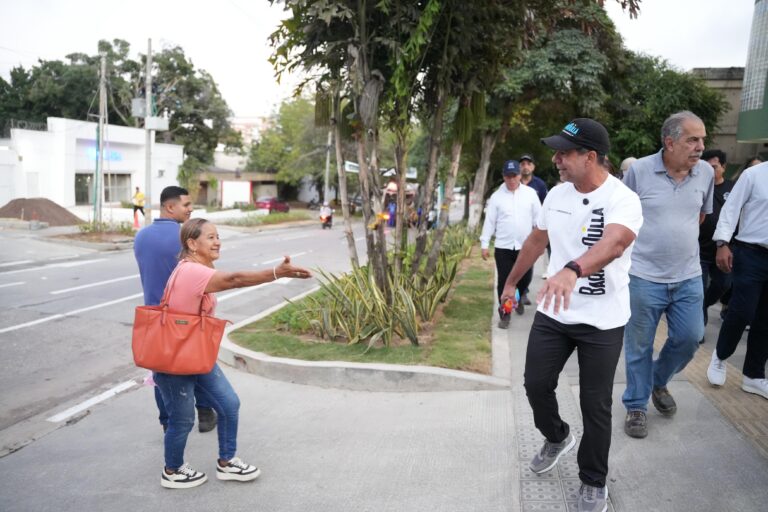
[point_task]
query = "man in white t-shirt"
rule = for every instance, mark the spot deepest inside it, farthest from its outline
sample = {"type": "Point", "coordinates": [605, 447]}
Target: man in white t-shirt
{"type": "Point", "coordinates": [511, 215]}
{"type": "Point", "coordinates": [591, 222]}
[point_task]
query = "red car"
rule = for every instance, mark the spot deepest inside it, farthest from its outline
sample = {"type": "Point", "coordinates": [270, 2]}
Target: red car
{"type": "Point", "coordinates": [272, 204]}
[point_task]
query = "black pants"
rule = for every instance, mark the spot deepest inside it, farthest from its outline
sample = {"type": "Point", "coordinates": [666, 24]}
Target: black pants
{"type": "Point", "coordinates": [549, 346]}
{"type": "Point", "coordinates": [139, 208]}
{"type": "Point", "coordinates": [505, 260]}
{"type": "Point", "coordinates": [748, 306]}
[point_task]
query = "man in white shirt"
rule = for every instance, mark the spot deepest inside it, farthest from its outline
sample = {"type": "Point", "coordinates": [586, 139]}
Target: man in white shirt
{"type": "Point", "coordinates": [747, 257]}
{"type": "Point", "coordinates": [591, 221]}
{"type": "Point", "coordinates": [511, 214]}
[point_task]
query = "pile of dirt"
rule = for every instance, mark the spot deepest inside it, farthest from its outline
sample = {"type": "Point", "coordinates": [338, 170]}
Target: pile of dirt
{"type": "Point", "coordinates": [39, 208]}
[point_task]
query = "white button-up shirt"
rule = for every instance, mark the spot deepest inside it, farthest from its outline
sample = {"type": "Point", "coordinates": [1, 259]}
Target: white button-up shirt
{"type": "Point", "coordinates": [747, 207]}
{"type": "Point", "coordinates": [511, 216]}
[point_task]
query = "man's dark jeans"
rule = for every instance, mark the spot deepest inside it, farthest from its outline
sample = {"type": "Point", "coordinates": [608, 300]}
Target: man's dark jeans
{"type": "Point", "coordinates": [716, 283]}
{"type": "Point", "coordinates": [505, 260]}
{"type": "Point", "coordinates": [748, 306]}
{"type": "Point", "coordinates": [549, 346]}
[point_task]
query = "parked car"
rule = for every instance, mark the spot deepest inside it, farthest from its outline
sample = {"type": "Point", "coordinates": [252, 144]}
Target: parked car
{"type": "Point", "coordinates": [272, 204]}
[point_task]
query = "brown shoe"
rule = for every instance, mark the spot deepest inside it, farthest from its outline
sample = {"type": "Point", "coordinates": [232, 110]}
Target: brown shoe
{"type": "Point", "coordinates": [636, 424]}
{"type": "Point", "coordinates": [663, 401]}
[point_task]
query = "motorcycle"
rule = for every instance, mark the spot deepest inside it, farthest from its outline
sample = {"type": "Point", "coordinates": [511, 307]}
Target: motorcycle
{"type": "Point", "coordinates": [326, 220]}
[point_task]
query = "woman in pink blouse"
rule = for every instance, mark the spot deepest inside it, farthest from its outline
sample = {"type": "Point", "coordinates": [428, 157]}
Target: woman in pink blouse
{"type": "Point", "coordinates": [196, 282]}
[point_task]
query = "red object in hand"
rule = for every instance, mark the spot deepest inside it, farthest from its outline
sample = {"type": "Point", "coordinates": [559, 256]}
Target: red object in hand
{"type": "Point", "coordinates": [507, 307]}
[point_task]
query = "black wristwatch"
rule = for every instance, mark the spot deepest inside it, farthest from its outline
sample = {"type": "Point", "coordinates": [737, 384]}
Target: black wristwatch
{"type": "Point", "coordinates": [574, 266]}
{"type": "Point", "coordinates": [720, 243]}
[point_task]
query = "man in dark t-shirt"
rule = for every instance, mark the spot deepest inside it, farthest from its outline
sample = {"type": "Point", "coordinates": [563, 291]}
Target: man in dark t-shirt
{"type": "Point", "coordinates": [716, 282]}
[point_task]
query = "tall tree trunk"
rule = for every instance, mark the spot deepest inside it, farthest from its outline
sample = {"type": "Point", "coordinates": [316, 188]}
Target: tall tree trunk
{"type": "Point", "coordinates": [435, 143]}
{"type": "Point", "coordinates": [477, 195]}
{"type": "Point", "coordinates": [343, 188]}
{"type": "Point", "coordinates": [401, 217]}
{"type": "Point", "coordinates": [437, 242]}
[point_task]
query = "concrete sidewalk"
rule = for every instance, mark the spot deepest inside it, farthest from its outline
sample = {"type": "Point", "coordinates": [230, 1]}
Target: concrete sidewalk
{"type": "Point", "coordinates": [336, 450]}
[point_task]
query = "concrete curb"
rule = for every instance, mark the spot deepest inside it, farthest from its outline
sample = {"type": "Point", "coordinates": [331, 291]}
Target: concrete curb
{"type": "Point", "coordinates": [350, 376]}
{"type": "Point", "coordinates": [97, 246]}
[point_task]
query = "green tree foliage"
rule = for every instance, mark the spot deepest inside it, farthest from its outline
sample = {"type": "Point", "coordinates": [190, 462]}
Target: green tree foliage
{"type": "Point", "coordinates": [291, 146]}
{"type": "Point", "coordinates": [647, 92]}
{"type": "Point", "coordinates": [190, 97]}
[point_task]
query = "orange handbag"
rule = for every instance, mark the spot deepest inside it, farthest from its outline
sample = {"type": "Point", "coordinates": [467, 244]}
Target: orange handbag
{"type": "Point", "coordinates": [166, 341]}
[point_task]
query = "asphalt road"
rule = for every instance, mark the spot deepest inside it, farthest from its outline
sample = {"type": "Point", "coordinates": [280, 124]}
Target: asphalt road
{"type": "Point", "coordinates": [66, 314]}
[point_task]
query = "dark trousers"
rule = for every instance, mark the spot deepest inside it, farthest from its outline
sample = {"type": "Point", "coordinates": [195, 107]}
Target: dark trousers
{"type": "Point", "coordinates": [748, 306]}
{"type": "Point", "coordinates": [138, 208]}
{"type": "Point", "coordinates": [549, 346]}
{"type": "Point", "coordinates": [716, 283]}
{"type": "Point", "coordinates": [505, 260]}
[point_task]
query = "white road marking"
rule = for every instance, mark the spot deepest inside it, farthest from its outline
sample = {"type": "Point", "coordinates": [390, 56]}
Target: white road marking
{"type": "Point", "coordinates": [6, 285]}
{"type": "Point", "coordinates": [280, 259]}
{"type": "Point", "coordinates": [99, 283]}
{"type": "Point", "coordinates": [294, 237]}
{"type": "Point", "coordinates": [12, 263]}
{"type": "Point", "coordinates": [281, 281]}
{"type": "Point", "coordinates": [71, 313]}
{"type": "Point", "coordinates": [69, 264]}
{"type": "Point", "coordinates": [65, 415]}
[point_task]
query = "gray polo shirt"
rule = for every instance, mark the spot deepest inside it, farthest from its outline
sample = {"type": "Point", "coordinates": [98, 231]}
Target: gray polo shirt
{"type": "Point", "coordinates": [667, 247]}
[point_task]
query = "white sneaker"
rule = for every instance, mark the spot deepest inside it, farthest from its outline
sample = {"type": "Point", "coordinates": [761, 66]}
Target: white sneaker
{"type": "Point", "coordinates": [238, 470]}
{"type": "Point", "coordinates": [183, 478]}
{"type": "Point", "coordinates": [756, 386]}
{"type": "Point", "coordinates": [716, 370]}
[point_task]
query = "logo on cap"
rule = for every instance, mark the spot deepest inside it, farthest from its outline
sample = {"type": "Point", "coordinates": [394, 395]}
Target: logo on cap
{"type": "Point", "coordinates": [571, 129]}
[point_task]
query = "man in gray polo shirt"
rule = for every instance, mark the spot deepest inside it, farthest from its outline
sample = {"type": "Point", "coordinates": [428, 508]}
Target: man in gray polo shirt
{"type": "Point", "coordinates": [675, 188]}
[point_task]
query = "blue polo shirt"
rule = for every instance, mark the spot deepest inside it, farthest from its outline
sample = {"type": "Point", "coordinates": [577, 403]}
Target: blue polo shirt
{"type": "Point", "coordinates": [667, 247]}
{"type": "Point", "coordinates": [156, 249]}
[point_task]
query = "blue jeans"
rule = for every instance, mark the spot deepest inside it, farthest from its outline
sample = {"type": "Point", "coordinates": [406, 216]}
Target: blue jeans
{"type": "Point", "coordinates": [178, 393]}
{"type": "Point", "coordinates": [681, 302]}
{"type": "Point", "coordinates": [200, 403]}
{"type": "Point", "coordinates": [748, 306]}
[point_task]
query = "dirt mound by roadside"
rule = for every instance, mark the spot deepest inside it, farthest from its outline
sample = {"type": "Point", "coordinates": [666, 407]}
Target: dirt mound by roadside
{"type": "Point", "coordinates": [39, 208]}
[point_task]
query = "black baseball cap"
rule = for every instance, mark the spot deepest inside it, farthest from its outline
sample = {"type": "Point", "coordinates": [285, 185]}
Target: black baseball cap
{"type": "Point", "coordinates": [527, 157]}
{"type": "Point", "coordinates": [581, 133]}
{"type": "Point", "coordinates": [511, 167]}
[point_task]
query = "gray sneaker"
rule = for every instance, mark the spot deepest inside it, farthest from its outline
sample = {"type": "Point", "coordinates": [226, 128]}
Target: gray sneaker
{"type": "Point", "coordinates": [593, 499]}
{"type": "Point", "coordinates": [550, 453]}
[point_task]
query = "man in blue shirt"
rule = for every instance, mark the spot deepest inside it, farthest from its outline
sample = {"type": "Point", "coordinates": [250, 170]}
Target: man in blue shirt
{"type": "Point", "coordinates": [527, 166]}
{"type": "Point", "coordinates": [156, 249]}
{"type": "Point", "coordinates": [675, 187]}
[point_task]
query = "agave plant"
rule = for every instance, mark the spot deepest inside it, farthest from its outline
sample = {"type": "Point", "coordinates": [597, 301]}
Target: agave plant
{"type": "Point", "coordinates": [351, 307]}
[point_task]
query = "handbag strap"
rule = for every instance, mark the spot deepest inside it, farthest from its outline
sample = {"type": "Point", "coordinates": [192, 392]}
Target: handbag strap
{"type": "Point", "coordinates": [164, 302]}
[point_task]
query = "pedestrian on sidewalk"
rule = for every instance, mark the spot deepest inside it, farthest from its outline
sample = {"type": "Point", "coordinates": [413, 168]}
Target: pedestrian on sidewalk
{"type": "Point", "coordinates": [527, 167]}
{"type": "Point", "coordinates": [591, 221]}
{"type": "Point", "coordinates": [156, 249]}
{"type": "Point", "coordinates": [195, 282]}
{"type": "Point", "coordinates": [715, 281]}
{"type": "Point", "coordinates": [138, 202]}
{"type": "Point", "coordinates": [511, 215]}
{"type": "Point", "coordinates": [747, 257]}
{"type": "Point", "coordinates": [675, 187]}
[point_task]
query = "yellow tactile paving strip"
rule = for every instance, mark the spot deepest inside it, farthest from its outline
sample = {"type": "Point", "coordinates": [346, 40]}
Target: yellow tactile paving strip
{"type": "Point", "coordinates": [747, 412]}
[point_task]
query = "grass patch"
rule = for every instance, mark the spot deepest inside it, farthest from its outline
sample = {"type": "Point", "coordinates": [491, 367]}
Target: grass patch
{"type": "Point", "coordinates": [458, 338]}
{"type": "Point", "coordinates": [264, 220]}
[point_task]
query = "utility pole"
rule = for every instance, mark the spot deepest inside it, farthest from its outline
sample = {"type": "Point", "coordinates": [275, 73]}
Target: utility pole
{"type": "Point", "coordinates": [326, 191]}
{"type": "Point", "coordinates": [149, 137]}
{"type": "Point", "coordinates": [98, 185]}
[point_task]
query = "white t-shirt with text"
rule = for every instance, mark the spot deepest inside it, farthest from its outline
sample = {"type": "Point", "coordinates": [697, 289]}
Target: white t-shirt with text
{"type": "Point", "coordinates": [575, 222]}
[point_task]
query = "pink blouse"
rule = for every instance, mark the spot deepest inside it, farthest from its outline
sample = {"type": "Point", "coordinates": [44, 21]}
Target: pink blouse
{"type": "Point", "coordinates": [188, 290]}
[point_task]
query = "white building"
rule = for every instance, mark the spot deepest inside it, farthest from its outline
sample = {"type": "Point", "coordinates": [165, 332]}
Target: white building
{"type": "Point", "coordinates": [59, 163]}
